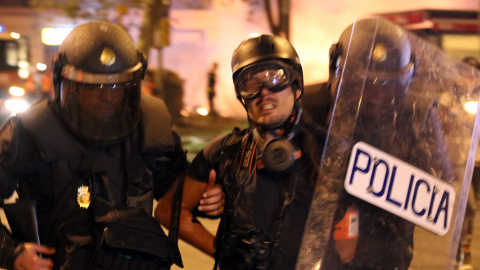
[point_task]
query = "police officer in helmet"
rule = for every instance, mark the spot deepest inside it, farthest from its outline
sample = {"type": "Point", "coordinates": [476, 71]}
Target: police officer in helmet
{"type": "Point", "coordinates": [92, 160]}
{"type": "Point", "coordinates": [387, 63]}
{"type": "Point", "coordinates": [267, 170]}
{"type": "Point", "coordinates": [378, 65]}
{"type": "Point", "coordinates": [97, 82]}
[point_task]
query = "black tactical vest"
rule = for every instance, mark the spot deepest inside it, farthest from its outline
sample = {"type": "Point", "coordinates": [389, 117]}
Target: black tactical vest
{"type": "Point", "coordinates": [117, 175]}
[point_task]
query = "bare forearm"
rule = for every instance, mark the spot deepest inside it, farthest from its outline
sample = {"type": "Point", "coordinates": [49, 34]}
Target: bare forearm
{"type": "Point", "coordinates": [196, 235]}
{"type": "Point", "coordinates": [189, 230]}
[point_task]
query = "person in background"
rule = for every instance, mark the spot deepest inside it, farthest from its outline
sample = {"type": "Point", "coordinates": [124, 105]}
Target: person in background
{"type": "Point", "coordinates": [212, 80]}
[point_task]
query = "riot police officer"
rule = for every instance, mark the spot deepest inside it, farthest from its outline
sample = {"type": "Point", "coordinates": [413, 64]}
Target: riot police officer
{"type": "Point", "coordinates": [93, 160]}
{"type": "Point", "coordinates": [380, 67]}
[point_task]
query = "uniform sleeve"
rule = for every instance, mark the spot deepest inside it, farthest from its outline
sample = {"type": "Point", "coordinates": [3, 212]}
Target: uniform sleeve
{"type": "Point", "coordinates": [203, 162]}
{"type": "Point", "coordinates": [9, 248]}
{"type": "Point", "coordinates": [166, 169]}
{"type": "Point", "coordinates": [7, 155]}
{"type": "Point", "coordinates": [199, 169]}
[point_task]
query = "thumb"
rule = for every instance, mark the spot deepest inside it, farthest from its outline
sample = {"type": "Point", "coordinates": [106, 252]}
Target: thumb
{"type": "Point", "coordinates": [211, 179]}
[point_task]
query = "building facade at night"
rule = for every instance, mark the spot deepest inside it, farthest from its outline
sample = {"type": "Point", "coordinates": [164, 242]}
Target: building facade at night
{"type": "Point", "coordinates": [208, 32]}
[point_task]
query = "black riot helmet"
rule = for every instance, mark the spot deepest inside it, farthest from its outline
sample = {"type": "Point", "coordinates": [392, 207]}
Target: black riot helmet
{"type": "Point", "coordinates": [97, 79]}
{"type": "Point", "coordinates": [378, 51]}
{"type": "Point", "coordinates": [265, 52]}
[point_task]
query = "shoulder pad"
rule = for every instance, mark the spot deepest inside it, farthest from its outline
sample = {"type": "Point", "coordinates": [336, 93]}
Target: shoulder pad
{"type": "Point", "coordinates": [50, 135]}
{"type": "Point", "coordinates": [222, 146]}
{"type": "Point", "coordinates": [157, 124]}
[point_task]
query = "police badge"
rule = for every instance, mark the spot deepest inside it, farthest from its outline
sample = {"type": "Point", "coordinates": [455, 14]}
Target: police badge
{"type": "Point", "coordinates": [83, 196]}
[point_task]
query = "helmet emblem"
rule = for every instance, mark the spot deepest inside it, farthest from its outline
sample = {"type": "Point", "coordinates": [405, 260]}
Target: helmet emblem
{"type": "Point", "coordinates": [108, 56]}
{"type": "Point", "coordinates": [83, 196]}
{"type": "Point", "coordinates": [379, 52]}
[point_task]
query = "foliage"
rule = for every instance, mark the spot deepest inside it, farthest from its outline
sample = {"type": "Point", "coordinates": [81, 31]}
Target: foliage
{"type": "Point", "coordinates": [155, 16]}
{"type": "Point", "coordinates": [86, 9]}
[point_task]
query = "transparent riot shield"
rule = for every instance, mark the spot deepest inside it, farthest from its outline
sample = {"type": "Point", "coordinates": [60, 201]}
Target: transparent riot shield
{"type": "Point", "coordinates": [399, 157]}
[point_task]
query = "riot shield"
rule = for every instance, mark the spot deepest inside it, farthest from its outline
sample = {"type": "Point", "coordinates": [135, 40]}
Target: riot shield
{"type": "Point", "coordinates": [399, 157]}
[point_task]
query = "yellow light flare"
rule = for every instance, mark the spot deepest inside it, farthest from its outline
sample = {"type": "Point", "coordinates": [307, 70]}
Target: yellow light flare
{"type": "Point", "coordinates": [471, 107]}
{"type": "Point", "coordinates": [202, 111]}
{"type": "Point", "coordinates": [16, 91]}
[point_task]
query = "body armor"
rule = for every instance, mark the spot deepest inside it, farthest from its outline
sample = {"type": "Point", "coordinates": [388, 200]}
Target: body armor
{"type": "Point", "coordinates": [58, 167]}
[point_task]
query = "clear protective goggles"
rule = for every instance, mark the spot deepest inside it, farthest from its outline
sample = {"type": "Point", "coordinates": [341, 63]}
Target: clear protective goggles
{"type": "Point", "coordinates": [276, 76]}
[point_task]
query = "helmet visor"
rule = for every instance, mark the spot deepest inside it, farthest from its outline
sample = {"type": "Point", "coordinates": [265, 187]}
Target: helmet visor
{"type": "Point", "coordinates": [275, 76]}
{"type": "Point", "coordinates": [101, 112]}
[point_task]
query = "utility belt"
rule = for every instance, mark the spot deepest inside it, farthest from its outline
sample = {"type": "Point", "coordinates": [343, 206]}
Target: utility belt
{"type": "Point", "coordinates": [130, 239]}
{"type": "Point", "coordinates": [133, 239]}
{"type": "Point", "coordinates": [111, 259]}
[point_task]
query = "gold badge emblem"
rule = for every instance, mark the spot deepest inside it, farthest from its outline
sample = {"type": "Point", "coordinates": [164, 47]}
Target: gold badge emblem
{"type": "Point", "coordinates": [108, 56]}
{"type": "Point", "coordinates": [83, 196]}
{"type": "Point", "coordinates": [379, 53]}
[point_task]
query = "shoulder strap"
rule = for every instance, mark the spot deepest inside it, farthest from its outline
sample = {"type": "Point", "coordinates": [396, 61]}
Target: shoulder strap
{"type": "Point", "coordinates": [236, 139]}
{"type": "Point", "coordinates": [50, 135]}
{"type": "Point", "coordinates": [157, 125]}
{"type": "Point", "coordinates": [220, 159]}
{"type": "Point", "coordinates": [176, 208]}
